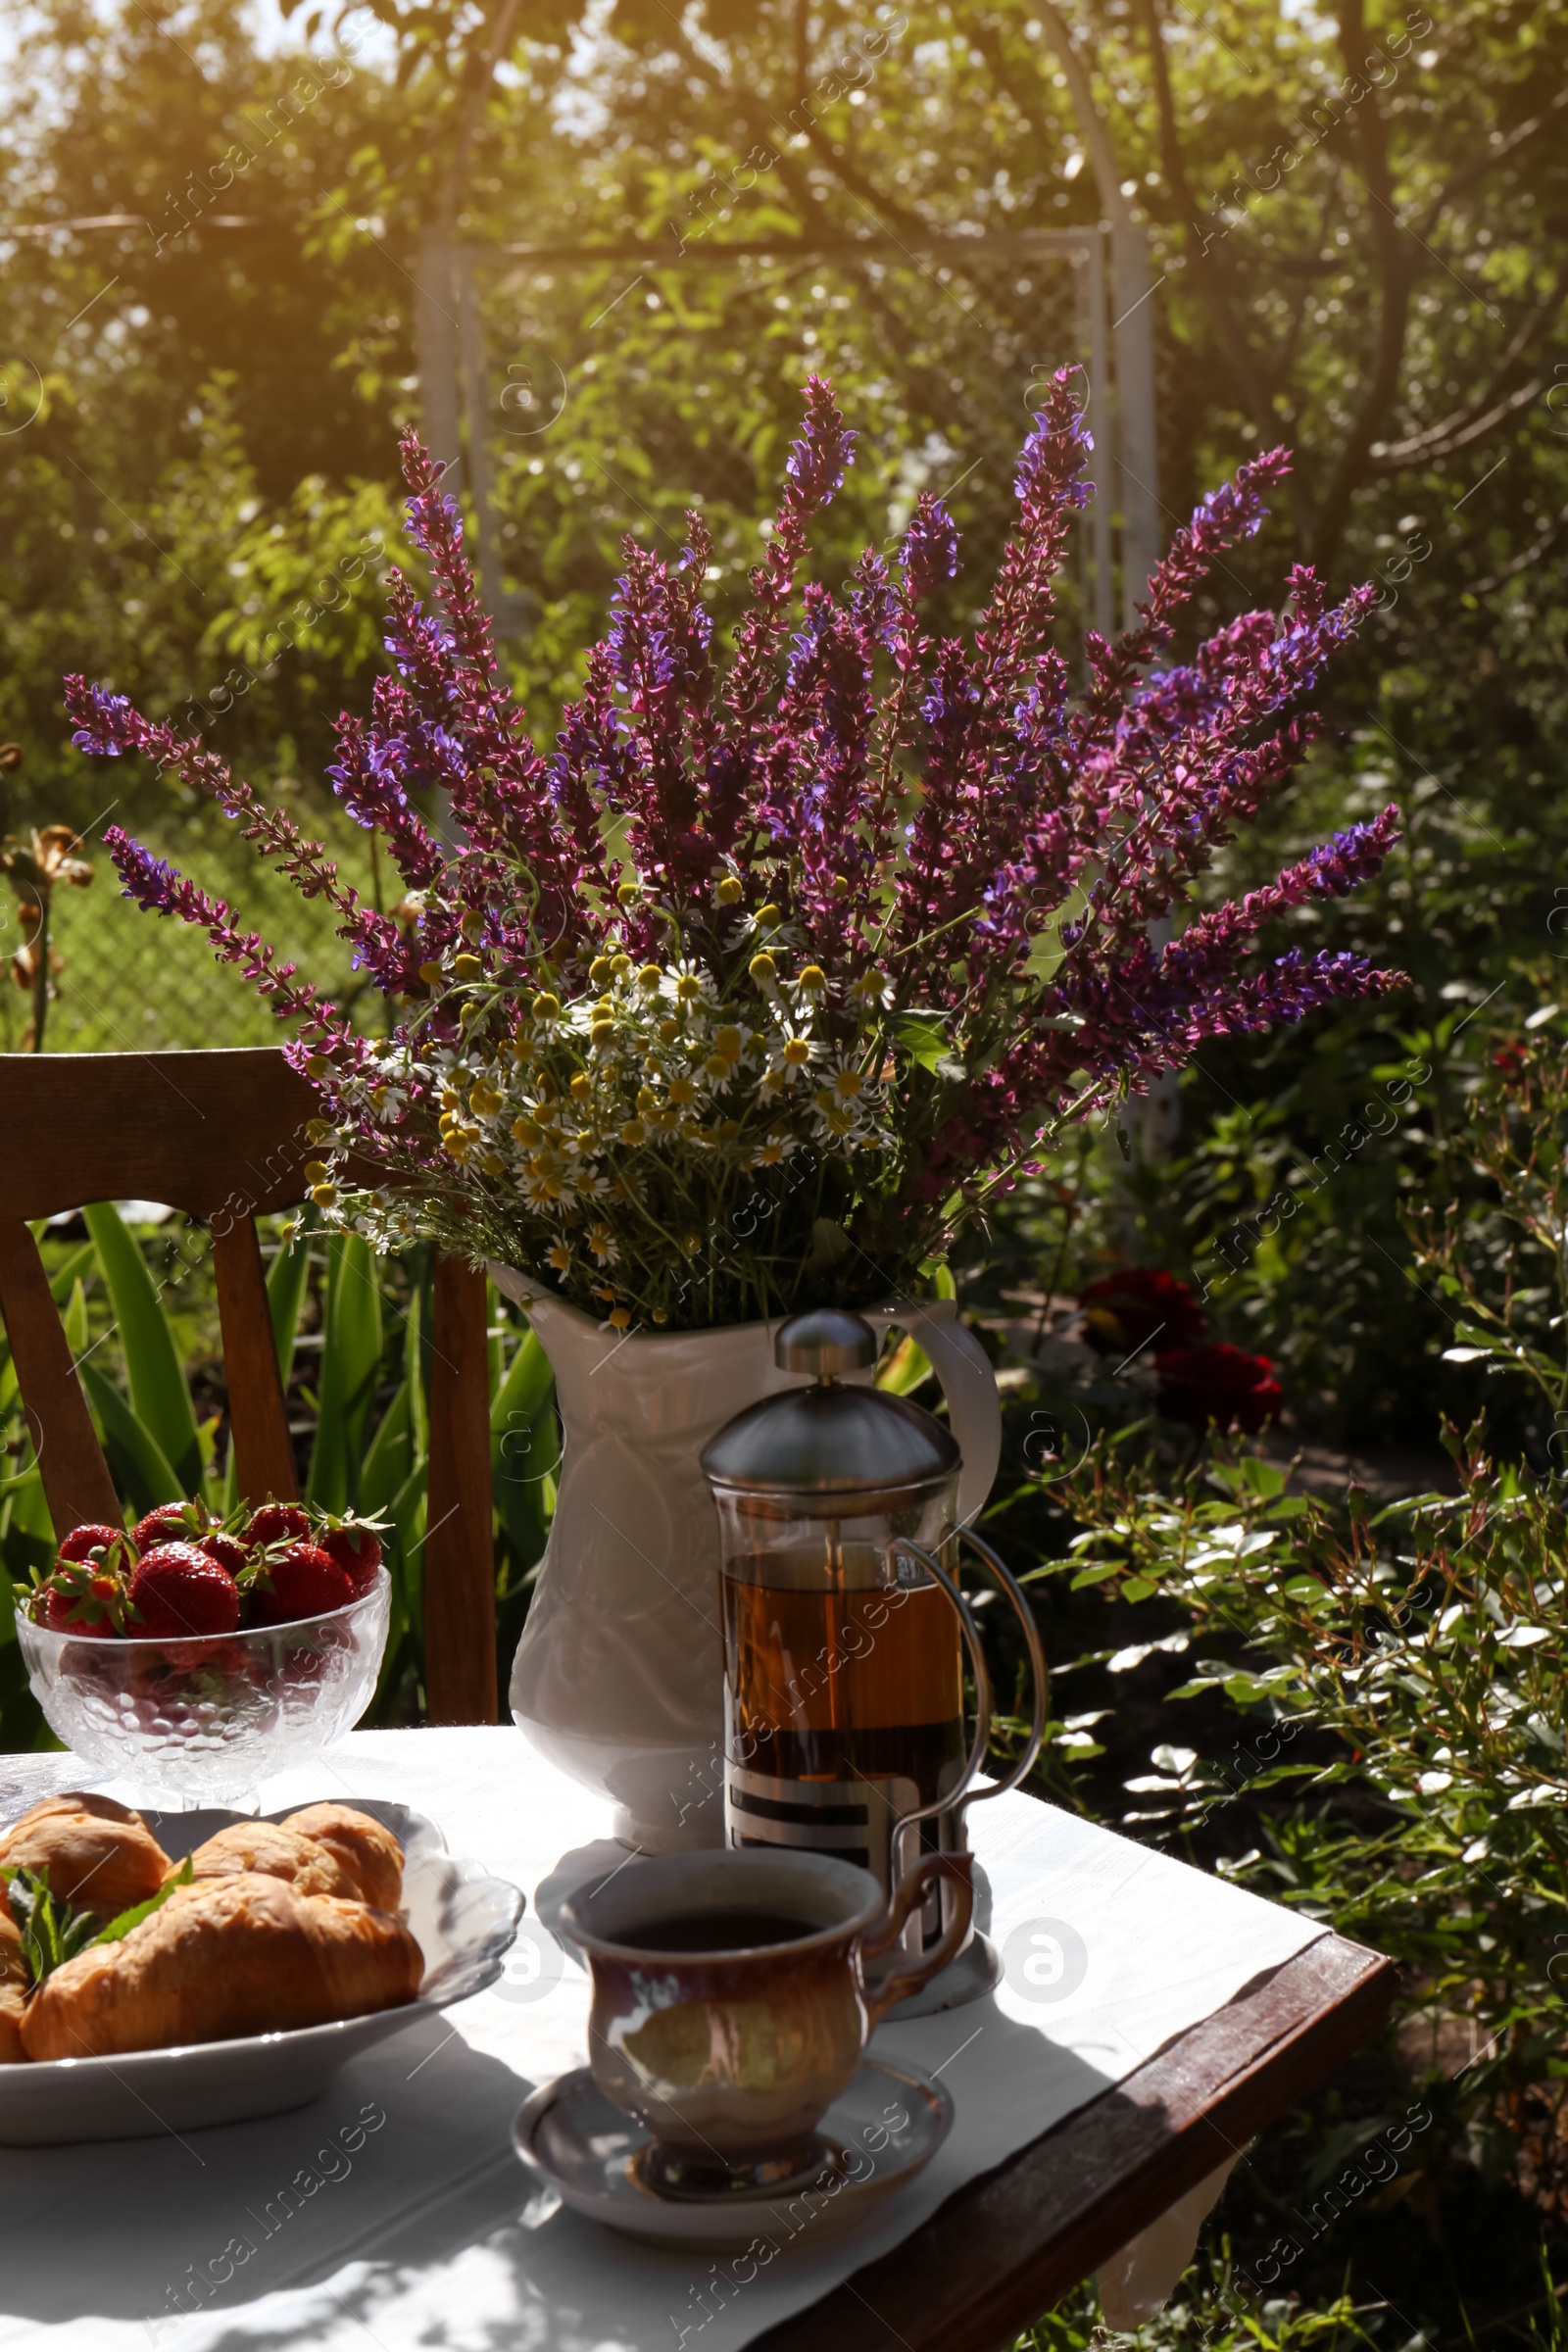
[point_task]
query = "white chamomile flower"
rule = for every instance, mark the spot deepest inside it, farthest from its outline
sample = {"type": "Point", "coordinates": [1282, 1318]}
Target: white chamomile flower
{"type": "Point", "coordinates": [873, 992]}
{"type": "Point", "coordinates": [846, 1082]}
{"type": "Point", "coordinates": [688, 987]}
{"type": "Point", "coordinates": [773, 1149]}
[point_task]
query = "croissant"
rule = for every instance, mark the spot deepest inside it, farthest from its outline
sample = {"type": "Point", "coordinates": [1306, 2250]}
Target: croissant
{"type": "Point", "coordinates": [12, 2008]}
{"type": "Point", "coordinates": [367, 1850]}
{"type": "Point", "coordinates": [12, 1988]}
{"type": "Point", "coordinates": [272, 1851]}
{"type": "Point", "coordinates": [225, 1958]}
{"type": "Point", "coordinates": [98, 1856]}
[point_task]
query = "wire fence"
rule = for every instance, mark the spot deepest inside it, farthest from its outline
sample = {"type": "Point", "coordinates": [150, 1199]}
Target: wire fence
{"type": "Point", "coordinates": [129, 981]}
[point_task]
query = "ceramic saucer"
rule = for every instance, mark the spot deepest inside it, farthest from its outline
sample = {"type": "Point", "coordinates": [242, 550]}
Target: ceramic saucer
{"type": "Point", "coordinates": [883, 2131]}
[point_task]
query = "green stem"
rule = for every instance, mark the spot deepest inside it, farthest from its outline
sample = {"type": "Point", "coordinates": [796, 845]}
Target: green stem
{"type": "Point", "coordinates": [40, 970]}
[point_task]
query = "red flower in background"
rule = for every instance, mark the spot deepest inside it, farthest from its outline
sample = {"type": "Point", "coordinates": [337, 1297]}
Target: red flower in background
{"type": "Point", "coordinates": [1126, 1311]}
{"type": "Point", "coordinates": [1217, 1382]}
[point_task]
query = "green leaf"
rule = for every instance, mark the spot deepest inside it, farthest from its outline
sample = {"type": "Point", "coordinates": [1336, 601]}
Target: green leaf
{"type": "Point", "coordinates": [286, 1279]}
{"type": "Point", "coordinates": [927, 1047]}
{"type": "Point", "coordinates": [1098, 1574]}
{"type": "Point", "coordinates": [51, 1934]}
{"type": "Point", "coordinates": [141, 1469]}
{"type": "Point", "coordinates": [905, 1369]}
{"type": "Point", "coordinates": [159, 1396]}
{"type": "Point", "coordinates": [79, 1261]}
{"type": "Point", "coordinates": [522, 1392]}
{"type": "Point", "coordinates": [350, 1358]}
{"type": "Point", "coordinates": [75, 1322]}
{"type": "Point", "coordinates": [119, 1928]}
{"type": "Point", "coordinates": [389, 1461]}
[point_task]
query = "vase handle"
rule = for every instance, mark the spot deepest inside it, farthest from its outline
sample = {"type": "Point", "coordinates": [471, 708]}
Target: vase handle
{"type": "Point", "coordinates": [974, 1408]}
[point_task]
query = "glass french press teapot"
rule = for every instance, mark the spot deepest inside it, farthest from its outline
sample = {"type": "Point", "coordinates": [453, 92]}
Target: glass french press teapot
{"type": "Point", "coordinates": [845, 1631]}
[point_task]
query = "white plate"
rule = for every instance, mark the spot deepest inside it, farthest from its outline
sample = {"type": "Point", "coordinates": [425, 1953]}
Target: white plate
{"type": "Point", "coordinates": [888, 2123]}
{"type": "Point", "coordinates": [463, 1919]}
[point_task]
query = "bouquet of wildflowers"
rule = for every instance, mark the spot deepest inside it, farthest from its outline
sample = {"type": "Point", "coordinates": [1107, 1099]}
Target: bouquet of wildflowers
{"type": "Point", "coordinates": [774, 969]}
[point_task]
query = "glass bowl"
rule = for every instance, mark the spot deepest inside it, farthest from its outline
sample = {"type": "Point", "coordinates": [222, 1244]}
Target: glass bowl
{"type": "Point", "coordinates": [208, 1720]}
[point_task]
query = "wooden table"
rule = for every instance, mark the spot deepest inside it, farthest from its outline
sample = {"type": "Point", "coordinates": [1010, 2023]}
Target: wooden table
{"type": "Point", "coordinates": [1010, 2246]}
{"type": "Point", "coordinates": [443, 2187]}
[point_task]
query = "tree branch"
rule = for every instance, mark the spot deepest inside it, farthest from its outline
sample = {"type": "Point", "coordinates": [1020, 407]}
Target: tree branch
{"type": "Point", "coordinates": [1486, 410]}
{"type": "Point", "coordinates": [1207, 259]}
{"type": "Point", "coordinates": [1533, 554]}
{"type": "Point", "coordinates": [1477, 170]}
{"type": "Point", "coordinates": [1393, 298]}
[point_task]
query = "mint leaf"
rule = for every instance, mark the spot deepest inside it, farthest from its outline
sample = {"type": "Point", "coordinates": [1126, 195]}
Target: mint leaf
{"type": "Point", "coordinates": [119, 1928]}
{"type": "Point", "coordinates": [51, 1934]}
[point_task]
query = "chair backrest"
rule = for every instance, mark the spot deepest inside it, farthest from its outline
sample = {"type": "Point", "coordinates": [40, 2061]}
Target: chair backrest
{"type": "Point", "coordinates": [221, 1136]}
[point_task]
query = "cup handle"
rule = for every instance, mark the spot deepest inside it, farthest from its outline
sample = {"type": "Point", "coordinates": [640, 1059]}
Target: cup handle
{"type": "Point", "coordinates": [882, 1937]}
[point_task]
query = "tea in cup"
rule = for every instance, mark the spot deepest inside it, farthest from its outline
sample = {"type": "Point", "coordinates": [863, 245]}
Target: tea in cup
{"type": "Point", "coordinates": [730, 2007]}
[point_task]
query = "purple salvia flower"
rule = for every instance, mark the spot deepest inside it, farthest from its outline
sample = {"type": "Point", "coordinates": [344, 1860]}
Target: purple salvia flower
{"type": "Point", "coordinates": [930, 552]}
{"type": "Point", "coordinates": [923, 838]}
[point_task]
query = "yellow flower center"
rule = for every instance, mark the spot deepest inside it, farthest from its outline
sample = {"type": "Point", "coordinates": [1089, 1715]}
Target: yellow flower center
{"type": "Point", "coordinates": [681, 1092]}
{"type": "Point", "coordinates": [728, 891]}
{"type": "Point", "coordinates": [847, 1084]}
{"type": "Point", "coordinates": [727, 1043]}
{"type": "Point", "coordinates": [812, 979]}
{"type": "Point", "coordinates": [763, 966]}
{"type": "Point", "coordinates": [599, 970]}
{"type": "Point", "coordinates": [649, 977]}
{"type": "Point", "coordinates": [688, 988]}
{"type": "Point", "coordinates": [582, 1085]}
{"type": "Point", "coordinates": [797, 1051]}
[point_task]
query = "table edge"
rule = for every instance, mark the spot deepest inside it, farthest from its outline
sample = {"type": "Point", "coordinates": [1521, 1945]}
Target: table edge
{"type": "Point", "coordinates": [1263, 2050]}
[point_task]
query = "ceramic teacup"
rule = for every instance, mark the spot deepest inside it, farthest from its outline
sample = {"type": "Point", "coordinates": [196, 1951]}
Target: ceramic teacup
{"type": "Point", "coordinates": [730, 2007]}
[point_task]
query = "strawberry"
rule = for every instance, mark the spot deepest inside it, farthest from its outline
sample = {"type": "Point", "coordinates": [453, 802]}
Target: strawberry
{"type": "Point", "coordinates": [86, 1597]}
{"type": "Point", "coordinates": [178, 1589]}
{"type": "Point", "coordinates": [279, 1523]}
{"type": "Point", "coordinates": [300, 1579]}
{"type": "Point", "coordinates": [226, 1549]}
{"type": "Point", "coordinates": [84, 1542]}
{"type": "Point", "coordinates": [171, 1523]}
{"type": "Point", "coordinates": [355, 1545]}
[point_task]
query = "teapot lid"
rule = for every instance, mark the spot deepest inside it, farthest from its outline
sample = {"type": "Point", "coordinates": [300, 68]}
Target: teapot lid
{"type": "Point", "coordinates": [828, 1450]}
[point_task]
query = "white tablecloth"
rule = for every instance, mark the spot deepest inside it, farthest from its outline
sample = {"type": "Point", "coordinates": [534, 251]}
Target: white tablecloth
{"type": "Point", "coordinates": [393, 2212]}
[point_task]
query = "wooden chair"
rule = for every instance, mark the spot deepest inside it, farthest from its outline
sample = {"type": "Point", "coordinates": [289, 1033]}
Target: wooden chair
{"type": "Point", "coordinates": [221, 1136]}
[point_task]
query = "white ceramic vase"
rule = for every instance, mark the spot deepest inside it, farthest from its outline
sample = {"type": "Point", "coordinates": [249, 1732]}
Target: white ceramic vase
{"type": "Point", "coordinates": [618, 1678]}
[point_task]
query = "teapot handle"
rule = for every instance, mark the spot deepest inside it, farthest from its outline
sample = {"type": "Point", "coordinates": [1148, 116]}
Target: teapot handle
{"type": "Point", "coordinates": [974, 1408]}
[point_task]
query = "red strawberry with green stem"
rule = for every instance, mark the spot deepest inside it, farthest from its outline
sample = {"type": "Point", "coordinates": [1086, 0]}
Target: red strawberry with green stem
{"type": "Point", "coordinates": [84, 1542]}
{"type": "Point", "coordinates": [279, 1523]}
{"type": "Point", "coordinates": [88, 1595]}
{"type": "Point", "coordinates": [179, 1590]}
{"type": "Point", "coordinates": [355, 1545]}
{"type": "Point", "coordinates": [300, 1579]}
{"type": "Point", "coordinates": [173, 1523]}
{"type": "Point", "coordinates": [226, 1549]}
